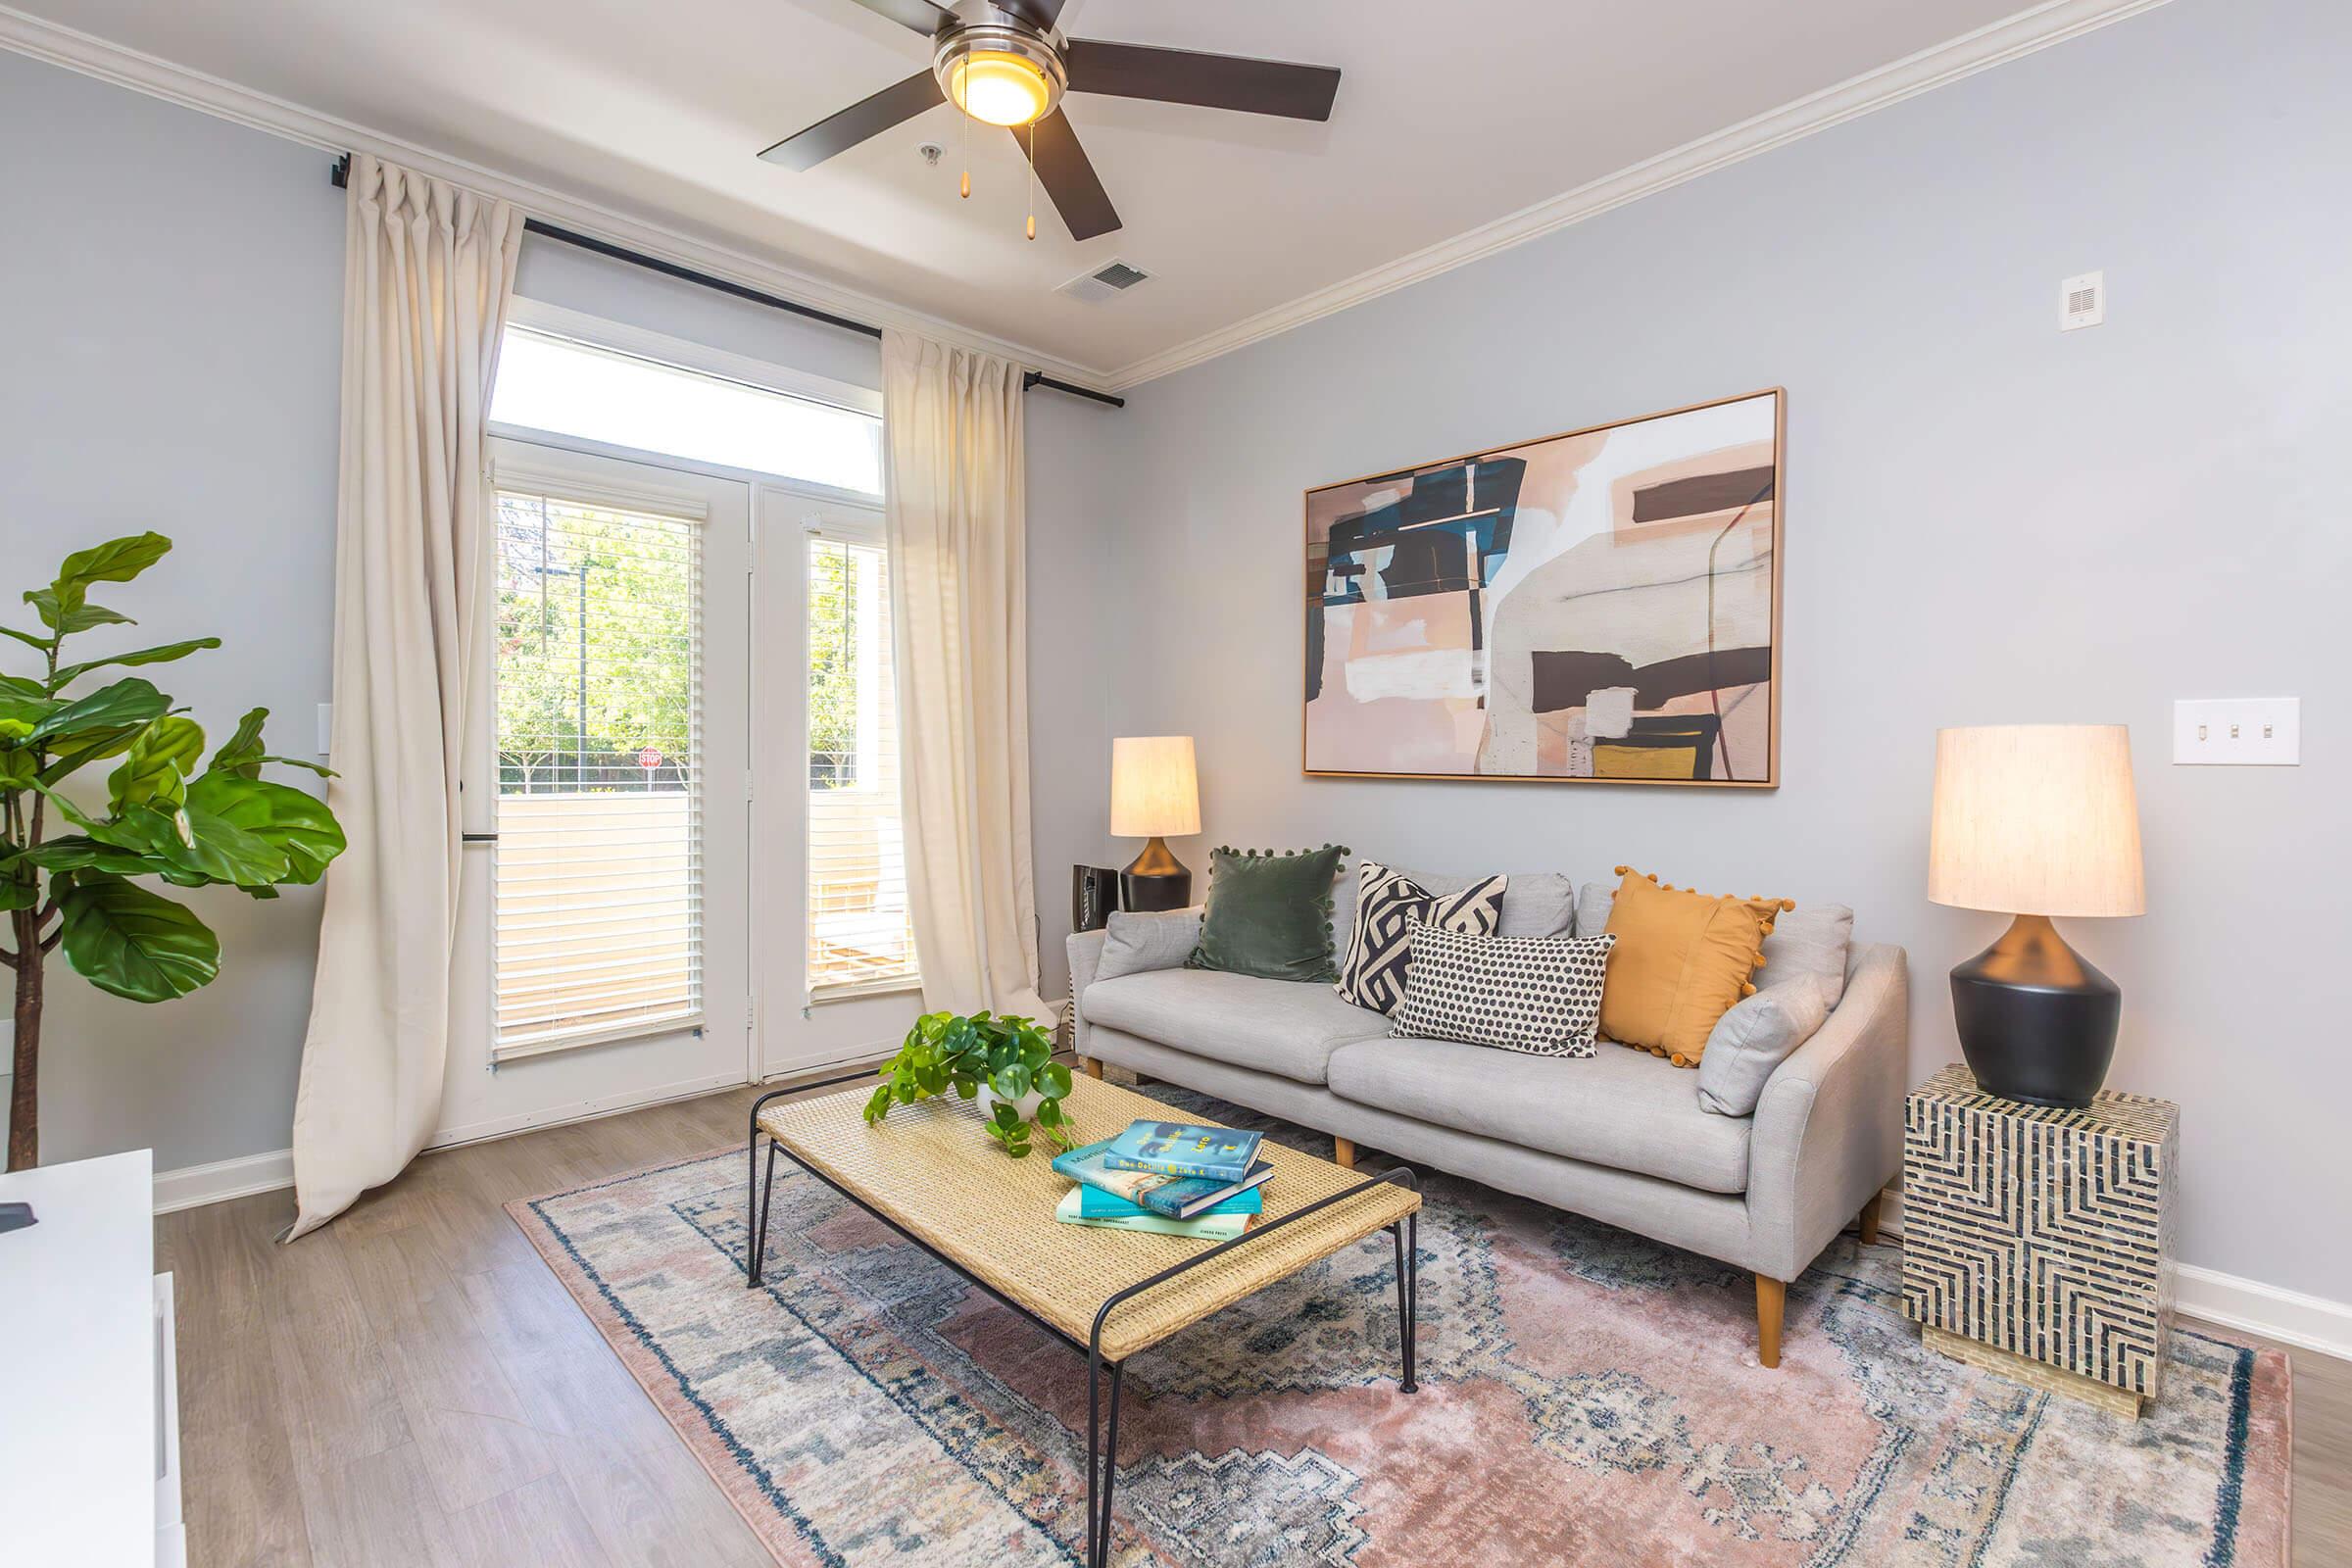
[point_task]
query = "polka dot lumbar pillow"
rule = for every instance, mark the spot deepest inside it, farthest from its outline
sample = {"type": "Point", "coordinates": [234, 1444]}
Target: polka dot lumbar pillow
{"type": "Point", "coordinates": [1539, 995]}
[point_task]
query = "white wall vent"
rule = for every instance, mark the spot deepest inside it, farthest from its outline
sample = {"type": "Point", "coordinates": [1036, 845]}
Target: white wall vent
{"type": "Point", "coordinates": [2083, 302]}
{"type": "Point", "coordinates": [1106, 282]}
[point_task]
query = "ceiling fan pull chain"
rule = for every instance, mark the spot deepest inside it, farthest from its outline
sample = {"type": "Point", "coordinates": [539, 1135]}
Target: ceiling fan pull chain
{"type": "Point", "coordinates": [964, 151]}
{"type": "Point", "coordinates": [1030, 184]}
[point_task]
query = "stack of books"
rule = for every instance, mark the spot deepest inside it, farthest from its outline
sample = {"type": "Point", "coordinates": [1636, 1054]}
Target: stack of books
{"type": "Point", "coordinates": [1169, 1178]}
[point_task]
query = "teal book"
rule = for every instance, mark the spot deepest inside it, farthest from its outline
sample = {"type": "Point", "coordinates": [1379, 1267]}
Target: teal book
{"type": "Point", "coordinates": [1207, 1228]}
{"type": "Point", "coordinates": [1176, 1196]}
{"type": "Point", "coordinates": [1180, 1149]}
{"type": "Point", "coordinates": [1097, 1202]}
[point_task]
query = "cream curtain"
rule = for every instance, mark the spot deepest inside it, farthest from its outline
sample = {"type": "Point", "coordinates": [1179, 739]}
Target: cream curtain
{"type": "Point", "coordinates": [428, 273]}
{"type": "Point", "coordinates": [960, 610]}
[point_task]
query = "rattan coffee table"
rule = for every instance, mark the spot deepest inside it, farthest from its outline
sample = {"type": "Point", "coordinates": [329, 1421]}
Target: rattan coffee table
{"type": "Point", "coordinates": [930, 1174]}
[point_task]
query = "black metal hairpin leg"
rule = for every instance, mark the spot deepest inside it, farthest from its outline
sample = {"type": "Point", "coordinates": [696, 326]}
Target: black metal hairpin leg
{"type": "Point", "coordinates": [754, 1239]}
{"type": "Point", "coordinates": [1102, 1437]}
{"type": "Point", "coordinates": [1407, 1234]}
{"type": "Point", "coordinates": [763, 1204]}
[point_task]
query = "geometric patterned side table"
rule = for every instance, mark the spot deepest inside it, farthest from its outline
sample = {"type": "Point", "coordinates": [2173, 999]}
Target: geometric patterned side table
{"type": "Point", "coordinates": [2034, 1238]}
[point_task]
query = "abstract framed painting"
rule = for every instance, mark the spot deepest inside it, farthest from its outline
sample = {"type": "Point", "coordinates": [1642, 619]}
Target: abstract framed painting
{"type": "Point", "coordinates": [1601, 607]}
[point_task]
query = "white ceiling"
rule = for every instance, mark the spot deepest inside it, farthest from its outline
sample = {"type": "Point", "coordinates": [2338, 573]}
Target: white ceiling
{"type": "Point", "coordinates": [1449, 117]}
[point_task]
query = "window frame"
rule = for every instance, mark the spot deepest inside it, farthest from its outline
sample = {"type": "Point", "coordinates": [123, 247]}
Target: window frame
{"type": "Point", "coordinates": [864, 531]}
{"type": "Point", "coordinates": [628, 342]}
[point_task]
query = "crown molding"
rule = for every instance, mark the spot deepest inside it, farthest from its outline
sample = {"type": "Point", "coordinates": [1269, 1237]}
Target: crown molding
{"type": "Point", "coordinates": [111, 62]}
{"type": "Point", "coordinates": [1997, 43]}
{"type": "Point", "coordinates": [2038, 27]}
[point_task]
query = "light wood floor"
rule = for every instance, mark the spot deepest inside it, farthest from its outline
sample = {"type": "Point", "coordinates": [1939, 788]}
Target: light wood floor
{"type": "Point", "coordinates": [412, 1387]}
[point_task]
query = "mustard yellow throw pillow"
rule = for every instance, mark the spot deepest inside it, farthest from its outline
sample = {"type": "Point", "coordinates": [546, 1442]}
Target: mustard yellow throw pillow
{"type": "Point", "coordinates": [1682, 960]}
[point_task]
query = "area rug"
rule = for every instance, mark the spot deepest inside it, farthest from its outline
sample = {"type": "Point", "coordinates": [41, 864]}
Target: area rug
{"type": "Point", "coordinates": [1585, 1396]}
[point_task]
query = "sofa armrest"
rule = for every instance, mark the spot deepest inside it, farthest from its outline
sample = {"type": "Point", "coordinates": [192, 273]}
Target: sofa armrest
{"type": "Point", "coordinates": [1828, 1131]}
{"type": "Point", "coordinates": [1086, 955]}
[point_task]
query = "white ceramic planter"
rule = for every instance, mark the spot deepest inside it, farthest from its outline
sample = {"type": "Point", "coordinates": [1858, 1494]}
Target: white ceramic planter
{"type": "Point", "coordinates": [1027, 1104]}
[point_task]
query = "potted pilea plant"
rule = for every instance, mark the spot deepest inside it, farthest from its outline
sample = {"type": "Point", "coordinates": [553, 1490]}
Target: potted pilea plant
{"type": "Point", "coordinates": [1006, 1063]}
{"type": "Point", "coordinates": [168, 815]}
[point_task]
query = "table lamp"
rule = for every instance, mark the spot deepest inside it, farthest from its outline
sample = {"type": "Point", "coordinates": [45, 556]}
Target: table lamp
{"type": "Point", "coordinates": [1154, 792]}
{"type": "Point", "coordinates": [2035, 820]}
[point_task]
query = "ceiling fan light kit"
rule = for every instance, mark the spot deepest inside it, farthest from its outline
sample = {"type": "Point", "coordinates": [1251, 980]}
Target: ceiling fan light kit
{"type": "Point", "coordinates": [1009, 64]}
{"type": "Point", "coordinates": [998, 74]}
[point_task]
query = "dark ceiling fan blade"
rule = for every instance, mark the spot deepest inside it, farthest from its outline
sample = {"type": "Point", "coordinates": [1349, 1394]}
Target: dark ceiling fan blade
{"type": "Point", "coordinates": [920, 15]}
{"type": "Point", "coordinates": [1044, 13]}
{"type": "Point", "coordinates": [1213, 81]}
{"type": "Point", "coordinates": [894, 105]}
{"type": "Point", "coordinates": [1068, 176]}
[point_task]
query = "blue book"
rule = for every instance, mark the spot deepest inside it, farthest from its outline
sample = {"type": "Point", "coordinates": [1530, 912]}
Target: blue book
{"type": "Point", "coordinates": [1181, 1148]}
{"type": "Point", "coordinates": [1172, 1196]}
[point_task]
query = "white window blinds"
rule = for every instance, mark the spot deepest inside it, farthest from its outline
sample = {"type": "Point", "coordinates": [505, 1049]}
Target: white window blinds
{"type": "Point", "coordinates": [599, 691]}
{"type": "Point", "coordinates": [859, 935]}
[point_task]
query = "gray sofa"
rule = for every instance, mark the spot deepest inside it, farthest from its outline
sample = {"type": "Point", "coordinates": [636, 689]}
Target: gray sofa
{"type": "Point", "coordinates": [1619, 1136]}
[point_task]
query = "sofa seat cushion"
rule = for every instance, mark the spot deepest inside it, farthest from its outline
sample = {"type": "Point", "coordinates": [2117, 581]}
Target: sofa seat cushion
{"type": "Point", "coordinates": [1286, 1027]}
{"type": "Point", "coordinates": [1626, 1110]}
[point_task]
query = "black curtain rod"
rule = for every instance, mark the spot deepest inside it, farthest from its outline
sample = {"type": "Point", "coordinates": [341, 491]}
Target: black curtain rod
{"type": "Point", "coordinates": [340, 174]}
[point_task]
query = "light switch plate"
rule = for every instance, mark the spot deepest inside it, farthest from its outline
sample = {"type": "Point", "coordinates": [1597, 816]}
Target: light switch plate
{"type": "Point", "coordinates": [2238, 731]}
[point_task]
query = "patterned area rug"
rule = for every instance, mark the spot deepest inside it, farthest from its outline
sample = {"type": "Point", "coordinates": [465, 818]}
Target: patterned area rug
{"type": "Point", "coordinates": [1587, 1397]}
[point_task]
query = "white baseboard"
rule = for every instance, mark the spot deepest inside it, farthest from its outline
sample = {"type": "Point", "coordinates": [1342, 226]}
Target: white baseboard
{"type": "Point", "coordinates": [2226, 1300]}
{"type": "Point", "coordinates": [2307, 1322]}
{"type": "Point", "coordinates": [192, 1186]}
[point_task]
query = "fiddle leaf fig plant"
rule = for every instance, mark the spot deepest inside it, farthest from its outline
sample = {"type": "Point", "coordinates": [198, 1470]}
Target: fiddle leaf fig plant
{"type": "Point", "coordinates": [1009, 1056]}
{"type": "Point", "coordinates": [169, 815]}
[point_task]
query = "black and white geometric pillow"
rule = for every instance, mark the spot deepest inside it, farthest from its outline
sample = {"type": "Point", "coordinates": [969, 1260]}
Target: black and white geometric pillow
{"type": "Point", "coordinates": [1388, 905]}
{"type": "Point", "coordinates": [1539, 995]}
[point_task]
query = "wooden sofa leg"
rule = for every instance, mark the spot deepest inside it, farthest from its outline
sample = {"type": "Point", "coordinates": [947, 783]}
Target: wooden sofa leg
{"type": "Point", "coordinates": [1870, 1220]}
{"type": "Point", "coordinates": [1093, 1068]}
{"type": "Point", "coordinates": [1771, 1297]}
{"type": "Point", "coordinates": [1343, 1153]}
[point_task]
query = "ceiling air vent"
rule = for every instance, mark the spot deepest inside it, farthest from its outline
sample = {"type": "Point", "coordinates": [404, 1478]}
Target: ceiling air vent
{"type": "Point", "coordinates": [1106, 282]}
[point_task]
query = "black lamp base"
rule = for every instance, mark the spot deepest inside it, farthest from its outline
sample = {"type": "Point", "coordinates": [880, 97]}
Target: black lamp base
{"type": "Point", "coordinates": [2037, 1021]}
{"type": "Point", "coordinates": [1155, 880]}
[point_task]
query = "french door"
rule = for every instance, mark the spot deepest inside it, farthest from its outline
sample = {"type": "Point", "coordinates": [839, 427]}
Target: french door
{"type": "Point", "coordinates": [602, 947]}
{"type": "Point", "coordinates": [834, 965]}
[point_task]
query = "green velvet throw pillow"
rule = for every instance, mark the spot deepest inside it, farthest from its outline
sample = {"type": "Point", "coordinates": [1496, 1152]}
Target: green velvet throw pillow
{"type": "Point", "coordinates": [1269, 914]}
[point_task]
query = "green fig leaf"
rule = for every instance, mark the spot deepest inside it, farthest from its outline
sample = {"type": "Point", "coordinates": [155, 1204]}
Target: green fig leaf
{"type": "Point", "coordinates": [126, 939]}
{"type": "Point", "coordinates": [155, 770]}
{"type": "Point", "coordinates": [144, 655]}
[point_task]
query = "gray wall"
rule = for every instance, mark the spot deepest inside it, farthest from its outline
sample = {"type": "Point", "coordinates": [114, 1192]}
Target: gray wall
{"type": "Point", "coordinates": [1080, 513]}
{"type": "Point", "coordinates": [1987, 522]}
{"type": "Point", "coordinates": [172, 325]}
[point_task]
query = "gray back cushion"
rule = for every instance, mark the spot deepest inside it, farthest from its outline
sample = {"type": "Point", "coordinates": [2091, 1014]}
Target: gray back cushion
{"type": "Point", "coordinates": [1809, 944]}
{"type": "Point", "coordinates": [1135, 942]}
{"type": "Point", "coordinates": [1536, 903]}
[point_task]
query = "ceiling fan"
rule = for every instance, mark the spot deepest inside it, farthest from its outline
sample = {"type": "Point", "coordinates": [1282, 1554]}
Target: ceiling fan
{"type": "Point", "coordinates": [1007, 63]}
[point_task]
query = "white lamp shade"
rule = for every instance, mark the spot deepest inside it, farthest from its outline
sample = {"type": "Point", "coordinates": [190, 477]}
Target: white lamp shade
{"type": "Point", "coordinates": [1154, 791]}
{"type": "Point", "coordinates": [2035, 819]}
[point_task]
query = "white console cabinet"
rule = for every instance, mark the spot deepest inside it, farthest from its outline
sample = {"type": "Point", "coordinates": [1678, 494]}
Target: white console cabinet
{"type": "Point", "coordinates": [89, 1415]}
